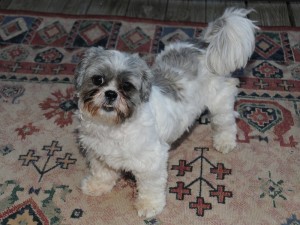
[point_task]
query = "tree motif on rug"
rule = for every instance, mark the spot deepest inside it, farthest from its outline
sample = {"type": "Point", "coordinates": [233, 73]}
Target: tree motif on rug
{"type": "Point", "coordinates": [183, 188]}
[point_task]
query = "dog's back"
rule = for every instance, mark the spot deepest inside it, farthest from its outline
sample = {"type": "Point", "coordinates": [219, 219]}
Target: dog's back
{"type": "Point", "coordinates": [178, 62]}
{"type": "Point", "coordinates": [176, 83]}
{"type": "Point", "coordinates": [191, 75]}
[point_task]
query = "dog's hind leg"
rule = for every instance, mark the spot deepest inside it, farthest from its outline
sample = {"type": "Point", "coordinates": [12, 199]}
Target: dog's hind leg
{"type": "Point", "coordinates": [223, 118]}
{"type": "Point", "coordinates": [224, 128]}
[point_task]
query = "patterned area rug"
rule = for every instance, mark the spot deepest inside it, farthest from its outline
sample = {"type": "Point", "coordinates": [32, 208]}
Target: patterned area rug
{"type": "Point", "coordinates": [41, 166]}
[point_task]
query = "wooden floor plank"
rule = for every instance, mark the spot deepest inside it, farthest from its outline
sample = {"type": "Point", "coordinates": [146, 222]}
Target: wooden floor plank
{"type": "Point", "coordinates": [16, 5]}
{"type": "Point", "coordinates": [295, 8]}
{"type": "Point", "coordinates": [32, 5]}
{"type": "Point", "coordinates": [270, 13]}
{"type": "Point", "coordinates": [76, 7]}
{"type": "Point", "coordinates": [179, 10]}
{"type": "Point", "coordinates": [151, 9]}
{"type": "Point", "coordinates": [112, 7]}
{"type": "Point", "coordinates": [4, 4]}
{"type": "Point", "coordinates": [214, 9]}
{"type": "Point", "coordinates": [235, 3]}
{"type": "Point", "coordinates": [56, 6]}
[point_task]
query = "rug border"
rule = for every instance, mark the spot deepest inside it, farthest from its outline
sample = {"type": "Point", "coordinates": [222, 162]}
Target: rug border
{"type": "Point", "coordinates": [131, 19]}
{"type": "Point", "coordinates": [14, 208]}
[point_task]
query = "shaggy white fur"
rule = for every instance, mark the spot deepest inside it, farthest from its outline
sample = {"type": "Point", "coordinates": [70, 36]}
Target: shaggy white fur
{"type": "Point", "coordinates": [130, 114]}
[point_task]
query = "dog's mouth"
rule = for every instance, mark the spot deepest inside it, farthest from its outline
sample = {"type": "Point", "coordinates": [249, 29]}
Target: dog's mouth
{"type": "Point", "coordinates": [108, 108]}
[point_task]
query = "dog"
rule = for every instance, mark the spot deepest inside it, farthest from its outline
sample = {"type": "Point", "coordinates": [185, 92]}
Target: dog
{"type": "Point", "coordinates": [130, 113]}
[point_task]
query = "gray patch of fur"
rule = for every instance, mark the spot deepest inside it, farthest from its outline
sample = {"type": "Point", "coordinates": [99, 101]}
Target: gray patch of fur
{"type": "Point", "coordinates": [168, 82]}
{"type": "Point", "coordinates": [184, 58]}
{"type": "Point", "coordinates": [172, 66]}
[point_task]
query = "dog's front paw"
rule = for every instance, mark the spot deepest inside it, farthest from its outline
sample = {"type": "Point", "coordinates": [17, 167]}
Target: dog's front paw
{"type": "Point", "coordinates": [224, 142]}
{"type": "Point", "coordinates": [149, 207]}
{"type": "Point", "coordinates": [93, 186]}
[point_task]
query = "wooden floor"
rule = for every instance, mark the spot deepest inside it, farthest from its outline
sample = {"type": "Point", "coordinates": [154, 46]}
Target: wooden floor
{"type": "Point", "coordinates": [268, 13]}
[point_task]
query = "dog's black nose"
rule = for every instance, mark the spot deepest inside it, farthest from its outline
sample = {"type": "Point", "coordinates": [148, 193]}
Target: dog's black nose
{"type": "Point", "coordinates": [111, 95]}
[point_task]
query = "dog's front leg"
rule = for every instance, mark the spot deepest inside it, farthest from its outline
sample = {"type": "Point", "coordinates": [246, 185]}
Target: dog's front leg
{"type": "Point", "coordinates": [101, 179]}
{"type": "Point", "coordinates": [152, 189]}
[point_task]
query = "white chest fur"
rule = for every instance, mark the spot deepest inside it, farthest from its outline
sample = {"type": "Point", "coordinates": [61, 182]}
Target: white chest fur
{"type": "Point", "coordinates": [134, 144]}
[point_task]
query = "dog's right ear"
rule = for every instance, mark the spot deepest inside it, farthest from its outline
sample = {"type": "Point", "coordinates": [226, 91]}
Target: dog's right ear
{"type": "Point", "coordinates": [83, 64]}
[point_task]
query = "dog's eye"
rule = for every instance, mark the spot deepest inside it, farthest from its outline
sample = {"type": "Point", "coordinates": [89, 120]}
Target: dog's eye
{"type": "Point", "coordinates": [98, 80]}
{"type": "Point", "coordinates": [127, 86]}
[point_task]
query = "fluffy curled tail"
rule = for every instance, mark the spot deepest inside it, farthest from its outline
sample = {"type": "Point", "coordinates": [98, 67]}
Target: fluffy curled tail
{"type": "Point", "coordinates": [231, 41]}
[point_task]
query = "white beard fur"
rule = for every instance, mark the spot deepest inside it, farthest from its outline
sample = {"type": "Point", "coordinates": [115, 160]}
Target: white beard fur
{"type": "Point", "coordinates": [141, 143]}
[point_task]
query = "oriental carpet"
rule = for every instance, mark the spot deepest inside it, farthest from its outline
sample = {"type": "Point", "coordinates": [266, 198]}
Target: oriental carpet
{"type": "Point", "coordinates": [41, 165]}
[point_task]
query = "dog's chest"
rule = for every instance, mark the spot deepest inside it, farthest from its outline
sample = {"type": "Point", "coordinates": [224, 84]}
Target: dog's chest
{"type": "Point", "coordinates": [106, 141]}
{"type": "Point", "coordinates": [125, 148]}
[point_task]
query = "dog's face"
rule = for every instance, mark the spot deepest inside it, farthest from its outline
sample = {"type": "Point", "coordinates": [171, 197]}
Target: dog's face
{"type": "Point", "coordinates": [111, 85]}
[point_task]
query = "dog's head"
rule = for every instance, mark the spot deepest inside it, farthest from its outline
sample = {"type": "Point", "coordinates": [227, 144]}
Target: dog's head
{"type": "Point", "coordinates": [111, 85]}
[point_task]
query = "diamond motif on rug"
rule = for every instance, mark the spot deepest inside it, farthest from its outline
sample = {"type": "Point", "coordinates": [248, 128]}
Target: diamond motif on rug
{"type": "Point", "coordinates": [27, 212]}
{"type": "Point", "coordinates": [167, 35]}
{"type": "Point", "coordinates": [177, 35]}
{"type": "Point", "coordinates": [52, 32]}
{"type": "Point", "coordinates": [135, 38]}
{"type": "Point", "coordinates": [268, 47]}
{"type": "Point", "coordinates": [93, 33]}
{"type": "Point", "coordinates": [13, 29]}
{"type": "Point", "coordinates": [267, 70]}
{"type": "Point", "coordinates": [88, 33]}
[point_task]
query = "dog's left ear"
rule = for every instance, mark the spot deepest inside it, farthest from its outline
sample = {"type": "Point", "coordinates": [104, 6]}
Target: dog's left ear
{"type": "Point", "coordinates": [146, 85]}
{"type": "Point", "coordinates": [146, 77]}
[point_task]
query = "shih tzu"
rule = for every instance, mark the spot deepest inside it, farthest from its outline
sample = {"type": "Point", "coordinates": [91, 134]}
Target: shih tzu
{"type": "Point", "coordinates": [131, 113]}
